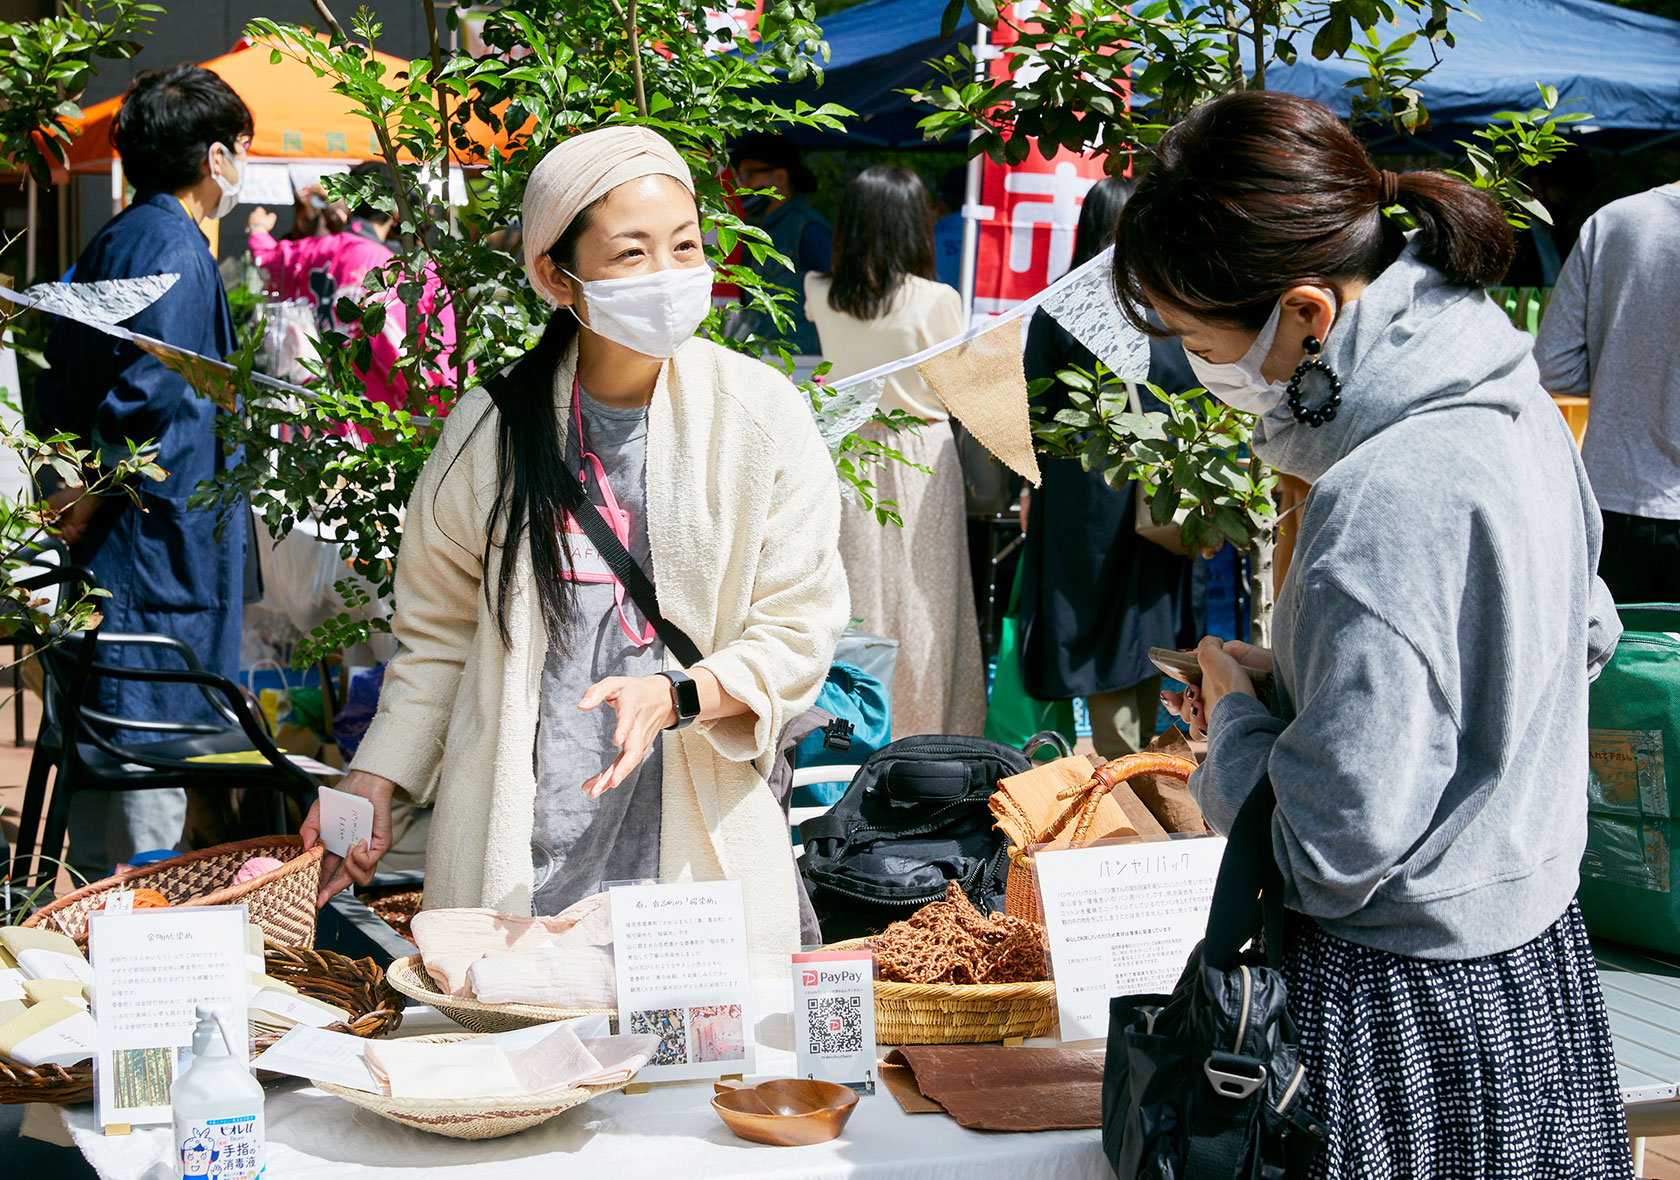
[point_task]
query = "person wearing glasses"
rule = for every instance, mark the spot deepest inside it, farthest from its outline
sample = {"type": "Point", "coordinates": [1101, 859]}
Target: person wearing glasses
{"type": "Point", "coordinates": [184, 135]}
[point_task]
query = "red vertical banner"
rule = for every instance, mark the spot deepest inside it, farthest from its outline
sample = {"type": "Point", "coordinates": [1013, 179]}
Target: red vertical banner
{"type": "Point", "coordinates": [1029, 212]}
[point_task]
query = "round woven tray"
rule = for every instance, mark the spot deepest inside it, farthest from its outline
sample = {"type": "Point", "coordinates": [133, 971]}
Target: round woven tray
{"type": "Point", "coordinates": [958, 1013]}
{"type": "Point", "coordinates": [281, 901]}
{"type": "Point", "coordinates": [408, 975]}
{"type": "Point", "coordinates": [356, 985]}
{"type": "Point", "coordinates": [469, 1118]}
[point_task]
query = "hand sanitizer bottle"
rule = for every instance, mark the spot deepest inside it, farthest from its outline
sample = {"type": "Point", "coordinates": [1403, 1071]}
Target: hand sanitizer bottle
{"type": "Point", "coordinates": [218, 1107]}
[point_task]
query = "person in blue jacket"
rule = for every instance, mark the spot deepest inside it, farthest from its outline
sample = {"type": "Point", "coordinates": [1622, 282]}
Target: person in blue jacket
{"type": "Point", "coordinates": [183, 135]}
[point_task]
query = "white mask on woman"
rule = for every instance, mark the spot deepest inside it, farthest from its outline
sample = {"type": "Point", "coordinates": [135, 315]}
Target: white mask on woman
{"type": "Point", "coordinates": [653, 314]}
{"type": "Point", "coordinates": [230, 188]}
{"type": "Point", "coordinates": [1240, 384]}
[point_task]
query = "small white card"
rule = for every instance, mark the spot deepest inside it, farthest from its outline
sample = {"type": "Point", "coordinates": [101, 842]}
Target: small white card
{"type": "Point", "coordinates": [1122, 918]}
{"type": "Point", "coordinates": [345, 820]}
{"type": "Point", "coordinates": [152, 970]}
{"type": "Point", "coordinates": [314, 1054]}
{"type": "Point", "coordinates": [119, 901]}
{"type": "Point", "coordinates": [680, 954]}
{"type": "Point", "coordinates": [11, 984]}
{"type": "Point", "coordinates": [834, 1017]}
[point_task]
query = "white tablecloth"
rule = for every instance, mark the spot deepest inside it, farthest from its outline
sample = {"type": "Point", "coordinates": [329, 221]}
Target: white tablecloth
{"type": "Point", "coordinates": [669, 1131]}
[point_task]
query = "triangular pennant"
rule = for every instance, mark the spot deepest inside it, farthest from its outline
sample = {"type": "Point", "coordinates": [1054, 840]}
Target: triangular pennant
{"type": "Point", "coordinates": [845, 408]}
{"type": "Point", "coordinates": [1086, 308]}
{"type": "Point", "coordinates": [984, 385]}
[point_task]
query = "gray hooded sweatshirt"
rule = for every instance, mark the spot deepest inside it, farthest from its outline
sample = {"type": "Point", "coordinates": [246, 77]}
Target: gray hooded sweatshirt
{"type": "Point", "coordinates": [1434, 637]}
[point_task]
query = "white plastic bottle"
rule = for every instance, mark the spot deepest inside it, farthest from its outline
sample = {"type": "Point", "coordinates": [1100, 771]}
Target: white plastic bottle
{"type": "Point", "coordinates": [218, 1108]}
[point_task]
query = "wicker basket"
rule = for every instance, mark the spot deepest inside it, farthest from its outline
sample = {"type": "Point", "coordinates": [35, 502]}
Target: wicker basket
{"type": "Point", "coordinates": [1020, 890]}
{"type": "Point", "coordinates": [356, 985]}
{"type": "Point", "coordinates": [281, 901]}
{"type": "Point", "coordinates": [470, 1118]}
{"type": "Point", "coordinates": [408, 975]}
{"type": "Point", "coordinates": [959, 1013]}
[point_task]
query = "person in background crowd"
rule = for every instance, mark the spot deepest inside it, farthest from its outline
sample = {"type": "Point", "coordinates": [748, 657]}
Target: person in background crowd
{"type": "Point", "coordinates": [1561, 184]}
{"type": "Point", "coordinates": [1095, 596]}
{"type": "Point", "coordinates": [322, 270]}
{"type": "Point", "coordinates": [1435, 637]}
{"type": "Point", "coordinates": [183, 135]}
{"type": "Point", "coordinates": [529, 696]}
{"type": "Point", "coordinates": [879, 304]}
{"type": "Point", "coordinates": [1610, 334]}
{"type": "Point", "coordinates": [765, 161]}
{"type": "Point", "coordinates": [948, 225]}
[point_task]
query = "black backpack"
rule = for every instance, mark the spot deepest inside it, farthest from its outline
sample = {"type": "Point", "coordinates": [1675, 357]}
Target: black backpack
{"type": "Point", "coordinates": [913, 819]}
{"type": "Point", "coordinates": [1209, 1083]}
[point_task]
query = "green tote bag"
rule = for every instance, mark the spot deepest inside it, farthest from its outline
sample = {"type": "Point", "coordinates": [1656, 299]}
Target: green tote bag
{"type": "Point", "coordinates": [1628, 880]}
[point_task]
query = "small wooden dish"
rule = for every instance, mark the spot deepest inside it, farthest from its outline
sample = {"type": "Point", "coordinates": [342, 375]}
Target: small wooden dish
{"type": "Point", "coordinates": [787, 1112]}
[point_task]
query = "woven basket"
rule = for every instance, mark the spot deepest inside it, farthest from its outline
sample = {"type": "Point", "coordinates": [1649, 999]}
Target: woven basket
{"type": "Point", "coordinates": [958, 1013]}
{"type": "Point", "coordinates": [1020, 890]}
{"type": "Point", "coordinates": [281, 901]}
{"type": "Point", "coordinates": [356, 985]}
{"type": "Point", "coordinates": [469, 1118]}
{"type": "Point", "coordinates": [409, 976]}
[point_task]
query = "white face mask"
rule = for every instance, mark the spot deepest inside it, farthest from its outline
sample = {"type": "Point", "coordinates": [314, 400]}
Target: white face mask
{"type": "Point", "coordinates": [1239, 384]}
{"type": "Point", "coordinates": [230, 188]}
{"type": "Point", "coordinates": [653, 314]}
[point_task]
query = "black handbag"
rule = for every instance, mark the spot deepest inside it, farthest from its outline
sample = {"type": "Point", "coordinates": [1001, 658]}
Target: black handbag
{"type": "Point", "coordinates": [913, 820]}
{"type": "Point", "coordinates": [1208, 1083]}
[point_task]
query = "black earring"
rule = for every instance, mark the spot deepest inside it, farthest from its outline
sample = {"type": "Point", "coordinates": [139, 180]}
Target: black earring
{"type": "Point", "coordinates": [1326, 412]}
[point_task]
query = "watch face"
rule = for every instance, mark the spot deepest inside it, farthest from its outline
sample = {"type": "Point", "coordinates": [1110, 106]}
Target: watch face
{"type": "Point", "coordinates": [687, 695]}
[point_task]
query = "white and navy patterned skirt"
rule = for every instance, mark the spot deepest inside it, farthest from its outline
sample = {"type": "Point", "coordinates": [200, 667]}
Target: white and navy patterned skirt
{"type": "Point", "coordinates": [1498, 1068]}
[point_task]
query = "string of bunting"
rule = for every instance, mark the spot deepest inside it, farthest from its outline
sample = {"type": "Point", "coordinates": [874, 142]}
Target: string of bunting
{"type": "Point", "coordinates": [978, 373]}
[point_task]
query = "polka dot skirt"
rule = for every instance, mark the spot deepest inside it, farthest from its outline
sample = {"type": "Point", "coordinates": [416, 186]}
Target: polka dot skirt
{"type": "Point", "coordinates": [1498, 1068]}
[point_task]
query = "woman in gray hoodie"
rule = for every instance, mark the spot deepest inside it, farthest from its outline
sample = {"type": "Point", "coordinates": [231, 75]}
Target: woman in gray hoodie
{"type": "Point", "coordinates": [1434, 641]}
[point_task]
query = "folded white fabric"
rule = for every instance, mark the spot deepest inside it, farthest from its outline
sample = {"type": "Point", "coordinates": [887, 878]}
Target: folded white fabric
{"type": "Point", "coordinates": [548, 976]}
{"type": "Point", "coordinates": [480, 1069]}
{"type": "Point", "coordinates": [450, 941]}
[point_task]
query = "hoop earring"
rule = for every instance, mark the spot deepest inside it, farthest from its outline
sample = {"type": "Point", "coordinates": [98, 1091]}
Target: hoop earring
{"type": "Point", "coordinates": [1326, 412]}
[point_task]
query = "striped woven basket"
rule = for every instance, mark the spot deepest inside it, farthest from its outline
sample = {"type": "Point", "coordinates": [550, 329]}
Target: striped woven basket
{"type": "Point", "coordinates": [959, 1013]}
{"type": "Point", "coordinates": [281, 901]}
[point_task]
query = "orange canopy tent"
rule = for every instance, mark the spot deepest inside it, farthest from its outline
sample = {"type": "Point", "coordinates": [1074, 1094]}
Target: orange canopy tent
{"type": "Point", "coordinates": [299, 117]}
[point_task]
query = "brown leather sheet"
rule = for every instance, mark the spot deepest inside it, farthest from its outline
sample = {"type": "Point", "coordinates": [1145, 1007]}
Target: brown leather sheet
{"type": "Point", "coordinates": [1003, 1088]}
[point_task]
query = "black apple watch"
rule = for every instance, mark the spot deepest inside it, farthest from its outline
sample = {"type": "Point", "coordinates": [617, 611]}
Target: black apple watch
{"type": "Point", "coordinates": [685, 698]}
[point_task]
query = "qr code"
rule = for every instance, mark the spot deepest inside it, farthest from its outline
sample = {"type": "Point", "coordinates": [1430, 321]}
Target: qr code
{"type": "Point", "coordinates": [834, 1024]}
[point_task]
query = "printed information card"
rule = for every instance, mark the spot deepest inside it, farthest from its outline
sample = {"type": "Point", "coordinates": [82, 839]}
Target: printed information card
{"type": "Point", "coordinates": [152, 969]}
{"type": "Point", "coordinates": [680, 954]}
{"type": "Point", "coordinates": [1122, 918]}
{"type": "Point", "coordinates": [834, 1017]}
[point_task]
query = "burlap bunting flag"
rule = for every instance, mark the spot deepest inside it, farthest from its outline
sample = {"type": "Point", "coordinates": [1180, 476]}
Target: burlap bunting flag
{"type": "Point", "coordinates": [984, 385]}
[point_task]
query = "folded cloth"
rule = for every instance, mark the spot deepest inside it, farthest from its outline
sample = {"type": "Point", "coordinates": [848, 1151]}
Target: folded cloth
{"type": "Point", "coordinates": [1167, 797]}
{"type": "Point", "coordinates": [1025, 805]}
{"type": "Point", "coordinates": [451, 941]}
{"type": "Point", "coordinates": [999, 1088]}
{"type": "Point", "coordinates": [480, 1068]}
{"type": "Point", "coordinates": [548, 976]}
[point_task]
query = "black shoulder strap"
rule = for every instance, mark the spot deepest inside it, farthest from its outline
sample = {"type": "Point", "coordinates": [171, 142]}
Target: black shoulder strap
{"type": "Point", "coordinates": [637, 584]}
{"type": "Point", "coordinates": [1248, 871]}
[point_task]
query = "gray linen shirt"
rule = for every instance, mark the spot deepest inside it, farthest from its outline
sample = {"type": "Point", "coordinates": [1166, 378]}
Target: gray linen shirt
{"type": "Point", "coordinates": [578, 842]}
{"type": "Point", "coordinates": [1612, 332]}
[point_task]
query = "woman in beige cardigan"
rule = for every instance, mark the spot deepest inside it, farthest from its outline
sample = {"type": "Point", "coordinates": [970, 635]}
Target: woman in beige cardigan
{"type": "Point", "coordinates": [529, 703]}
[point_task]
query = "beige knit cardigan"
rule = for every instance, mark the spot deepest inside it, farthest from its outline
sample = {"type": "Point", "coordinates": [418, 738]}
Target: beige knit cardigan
{"type": "Point", "coordinates": [743, 520]}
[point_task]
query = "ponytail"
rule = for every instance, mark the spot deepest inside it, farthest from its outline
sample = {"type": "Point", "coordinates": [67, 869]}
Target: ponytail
{"type": "Point", "coordinates": [534, 487]}
{"type": "Point", "coordinates": [1460, 229]}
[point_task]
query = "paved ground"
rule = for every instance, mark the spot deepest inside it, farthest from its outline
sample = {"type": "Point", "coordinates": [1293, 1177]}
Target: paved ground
{"type": "Point", "coordinates": [1662, 1157]}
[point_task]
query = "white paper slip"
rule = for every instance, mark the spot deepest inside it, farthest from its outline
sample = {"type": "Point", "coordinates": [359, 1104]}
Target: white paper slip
{"type": "Point", "coordinates": [315, 1055]}
{"type": "Point", "coordinates": [297, 1009]}
{"type": "Point", "coordinates": [119, 901]}
{"type": "Point", "coordinates": [11, 984]}
{"type": "Point", "coordinates": [43, 964]}
{"type": "Point", "coordinates": [346, 819]}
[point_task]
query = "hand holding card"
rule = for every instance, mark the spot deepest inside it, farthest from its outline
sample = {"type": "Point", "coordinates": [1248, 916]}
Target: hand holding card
{"type": "Point", "coordinates": [346, 820]}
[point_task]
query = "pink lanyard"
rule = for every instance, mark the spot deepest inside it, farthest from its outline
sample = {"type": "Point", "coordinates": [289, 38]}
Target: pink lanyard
{"type": "Point", "coordinates": [617, 519]}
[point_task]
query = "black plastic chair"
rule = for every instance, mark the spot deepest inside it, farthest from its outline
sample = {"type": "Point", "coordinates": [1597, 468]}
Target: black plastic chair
{"type": "Point", "coordinates": [82, 744]}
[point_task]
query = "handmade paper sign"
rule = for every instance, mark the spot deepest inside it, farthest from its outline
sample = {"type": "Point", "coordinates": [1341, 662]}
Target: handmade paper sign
{"type": "Point", "coordinates": [1122, 917]}
{"type": "Point", "coordinates": [680, 955]}
{"type": "Point", "coordinates": [834, 1017]}
{"type": "Point", "coordinates": [345, 820]}
{"type": "Point", "coordinates": [152, 969]}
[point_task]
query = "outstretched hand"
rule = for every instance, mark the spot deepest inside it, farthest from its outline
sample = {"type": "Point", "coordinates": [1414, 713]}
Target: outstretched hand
{"type": "Point", "coordinates": [645, 709]}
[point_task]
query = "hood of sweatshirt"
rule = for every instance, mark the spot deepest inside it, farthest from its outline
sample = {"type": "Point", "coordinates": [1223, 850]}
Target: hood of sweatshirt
{"type": "Point", "coordinates": [1412, 343]}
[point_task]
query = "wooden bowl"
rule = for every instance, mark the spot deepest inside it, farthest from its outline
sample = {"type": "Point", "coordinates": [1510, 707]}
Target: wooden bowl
{"type": "Point", "coordinates": [787, 1112]}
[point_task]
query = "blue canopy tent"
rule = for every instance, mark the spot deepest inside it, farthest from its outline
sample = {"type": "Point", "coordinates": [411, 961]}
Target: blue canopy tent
{"type": "Point", "coordinates": [1623, 66]}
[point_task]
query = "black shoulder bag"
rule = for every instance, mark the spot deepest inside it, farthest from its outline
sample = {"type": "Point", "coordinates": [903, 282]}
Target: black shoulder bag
{"type": "Point", "coordinates": [1208, 1083]}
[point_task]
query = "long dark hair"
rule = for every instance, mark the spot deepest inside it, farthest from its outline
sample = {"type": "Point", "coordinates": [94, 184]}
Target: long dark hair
{"type": "Point", "coordinates": [1099, 217]}
{"type": "Point", "coordinates": [1257, 192]}
{"type": "Point", "coordinates": [533, 484]}
{"type": "Point", "coordinates": [883, 231]}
